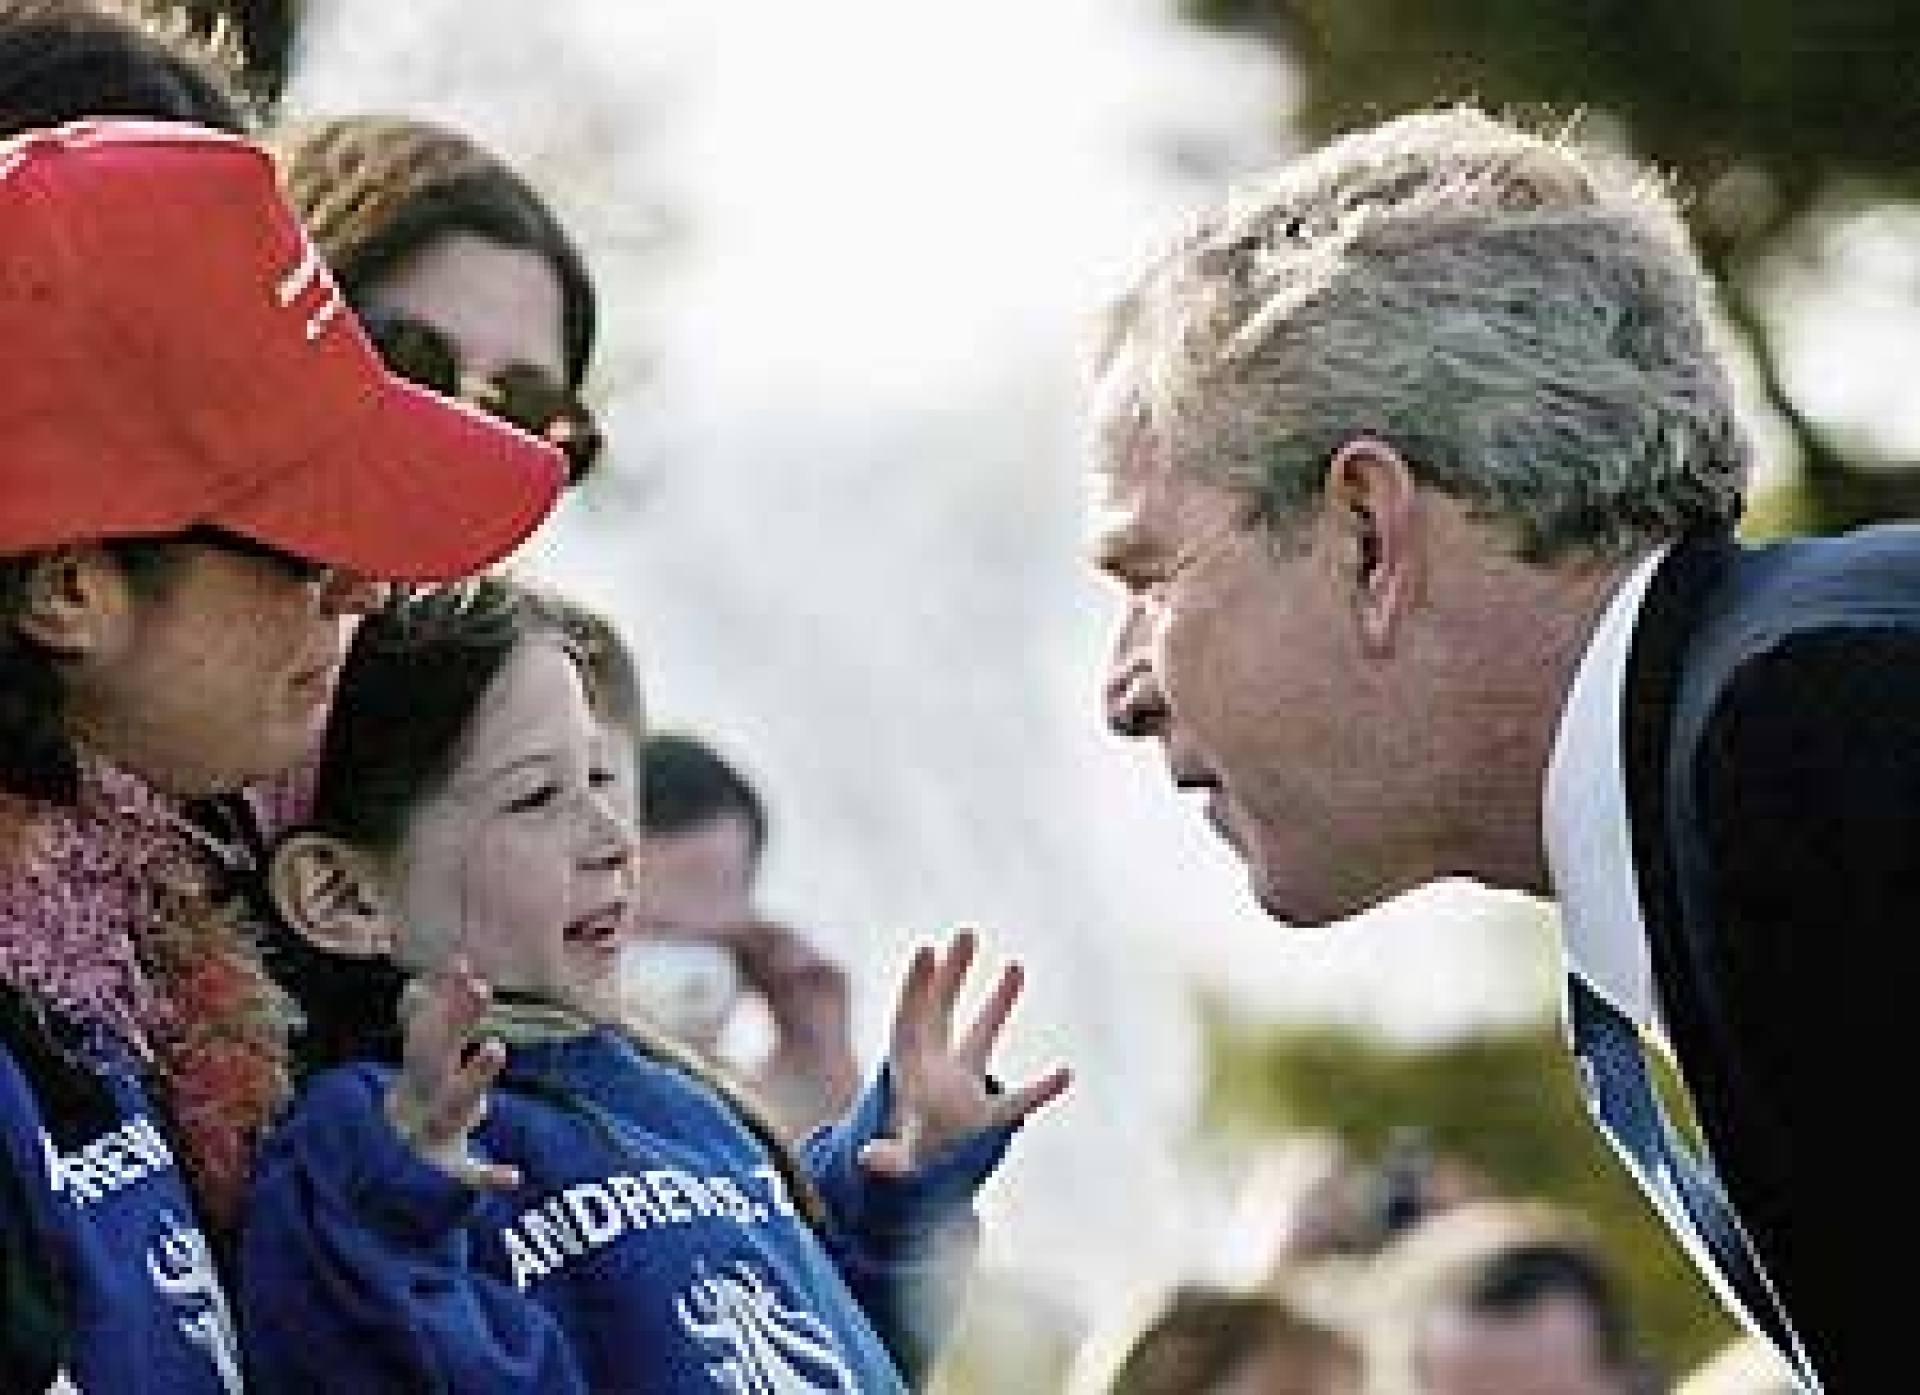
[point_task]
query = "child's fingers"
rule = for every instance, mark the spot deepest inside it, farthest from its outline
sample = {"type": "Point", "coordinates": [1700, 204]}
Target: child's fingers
{"type": "Point", "coordinates": [915, 1003]}
{"type": "Point", "coordinates": [433, 1110]}
{"type": "Point", "coordinates": [438, 1012]}
{"type": "Point", "coordinates": [438, 1125]}
{"type": "Point", "coordinates": [886, 1157]}
{"type": "Point", "coordinates": [950, 971]}
{"type": "Point", "coordinates": [440, 1094]}
{"type": "Point", "coordinates": [462, 1099]}
{"type": "Point", "coordinates": [976, 1047]}
{"type": "Point", "coordinates": [483, 1175]}
{"type": "Point", "coordinates": [1023, 1102]}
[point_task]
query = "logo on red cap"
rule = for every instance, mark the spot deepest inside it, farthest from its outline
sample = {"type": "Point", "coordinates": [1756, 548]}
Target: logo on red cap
{"type": "Point", "coordinates": [308, 276]}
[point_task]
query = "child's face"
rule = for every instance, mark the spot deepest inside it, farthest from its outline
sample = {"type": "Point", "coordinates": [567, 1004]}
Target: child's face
{"type": "Point", "coordinates": [523, 861]}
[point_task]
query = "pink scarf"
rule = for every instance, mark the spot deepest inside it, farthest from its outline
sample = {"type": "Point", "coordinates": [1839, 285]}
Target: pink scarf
{"type": "Point", "coordinates": [107, 917]}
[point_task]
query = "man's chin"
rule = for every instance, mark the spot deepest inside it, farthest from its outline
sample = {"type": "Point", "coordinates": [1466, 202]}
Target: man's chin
{"type": "Point", "coordinates": [1280, 901]}
{"type": "Point", "coordinates": [1293, 903]}
{"type": "Point", "coordinates": [1285, 914]}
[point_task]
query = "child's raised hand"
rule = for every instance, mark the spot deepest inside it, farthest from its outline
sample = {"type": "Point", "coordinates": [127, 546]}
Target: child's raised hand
{"type": "Point", "coordinates": [940, 1084]}
{"type": "Point", "coordinates": [440, 1095]}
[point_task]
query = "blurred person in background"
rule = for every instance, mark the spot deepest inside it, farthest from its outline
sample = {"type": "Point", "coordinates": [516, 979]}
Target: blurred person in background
{"type": "Point", "coordinates": [708, 955]}
{"type": "Point", "coordinates": [187, 526]}
{"type": "Point", "coordinates": [1211, 1339]}
{"type": "Point", "coordinates": [1504, 1298]}
{"type": "Point", "coordinates": [1314, 1197]}
{"type": "Point", "coordinates": [1419, 468]}
{"type": "Point", "coordinates": [465, 275]}
{"type": "Point", "coordinates": [1314, 1211]}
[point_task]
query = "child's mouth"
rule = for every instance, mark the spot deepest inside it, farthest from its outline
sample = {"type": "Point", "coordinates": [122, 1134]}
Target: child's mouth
{"type": "Point", "coordinates": [603, 928]}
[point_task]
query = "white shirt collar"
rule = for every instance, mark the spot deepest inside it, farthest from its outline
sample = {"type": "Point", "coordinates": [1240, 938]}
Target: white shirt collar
{"type": "Point", "coordinates": [1588, 838]}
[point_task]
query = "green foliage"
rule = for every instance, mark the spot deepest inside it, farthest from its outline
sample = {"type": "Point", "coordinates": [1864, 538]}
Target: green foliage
{"type": "Point", "coordinates": [1806, 93]}
{"type": "Point", "coordinates": [1506, 1103]}
{"type": "Point", "coordinates": [1773, 114]}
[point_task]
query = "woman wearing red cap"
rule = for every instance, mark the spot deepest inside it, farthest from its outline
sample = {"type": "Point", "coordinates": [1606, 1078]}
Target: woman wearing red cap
{"type": "Point", "coordinates": [204, 472]}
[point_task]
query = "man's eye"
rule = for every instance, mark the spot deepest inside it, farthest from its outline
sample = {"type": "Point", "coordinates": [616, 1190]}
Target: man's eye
{"type": "Point", "coordinates": [600, 777]}
{"type": "Point", "coordinates": [537, 798]}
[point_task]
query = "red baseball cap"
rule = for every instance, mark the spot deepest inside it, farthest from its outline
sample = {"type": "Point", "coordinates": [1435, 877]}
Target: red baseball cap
{"type": "Point", "coordinates": [177, 354]}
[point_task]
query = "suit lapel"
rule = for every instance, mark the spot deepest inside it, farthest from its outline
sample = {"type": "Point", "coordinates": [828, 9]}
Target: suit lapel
{"type": "Point", "coordinates": [1667, 624]}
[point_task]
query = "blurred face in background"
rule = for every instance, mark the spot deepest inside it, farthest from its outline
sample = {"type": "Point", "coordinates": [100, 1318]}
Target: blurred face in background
{"type": "Point", "coordinates": [699, 880]}
{"type": "Point", "coordinates": [695, 893]}
{"type": "Point", "coordinates": [1281, 1368]}
{"type": "Point", "coordinates": [1549, 1347]}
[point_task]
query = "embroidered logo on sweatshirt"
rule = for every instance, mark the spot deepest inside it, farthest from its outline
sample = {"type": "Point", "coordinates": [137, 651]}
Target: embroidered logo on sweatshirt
{"type": "Point", "coordinates": [116, 1159]}
{"type": "Point", "coordinates": [758, 1346]}
{"type": "Point", "coordinates": [588, 1216]}
{"type": "Point", "coordinates": [181, 1266]}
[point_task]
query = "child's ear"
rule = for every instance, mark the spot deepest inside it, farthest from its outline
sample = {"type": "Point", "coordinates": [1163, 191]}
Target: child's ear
{"type": "Point", "coordinates": [331, 894]}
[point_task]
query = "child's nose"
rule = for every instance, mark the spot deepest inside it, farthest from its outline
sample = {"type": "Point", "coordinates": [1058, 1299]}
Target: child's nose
{"type": "Point", "coordinates": [615, 842]}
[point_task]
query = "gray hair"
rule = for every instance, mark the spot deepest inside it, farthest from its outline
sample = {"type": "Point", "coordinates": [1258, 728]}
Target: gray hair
{"type": "Point", "coordinates": [1528, 327]}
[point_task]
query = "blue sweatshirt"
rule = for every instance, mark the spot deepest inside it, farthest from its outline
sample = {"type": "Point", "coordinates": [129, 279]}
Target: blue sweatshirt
{"type": "Point", "coordinates": [104, 1271]}
{"type": "Point", "coordinates": [650, 1248]}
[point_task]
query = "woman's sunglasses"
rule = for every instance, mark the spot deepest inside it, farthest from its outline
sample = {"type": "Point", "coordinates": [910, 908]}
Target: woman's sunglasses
{"type": "Point", "coordinates": [528, 397]}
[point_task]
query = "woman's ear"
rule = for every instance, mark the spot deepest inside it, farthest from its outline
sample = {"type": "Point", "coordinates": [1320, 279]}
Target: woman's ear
{"type": "Point", "coordinates": [332, 894]}
{"type": "Point", "coordinates": [74, 595]}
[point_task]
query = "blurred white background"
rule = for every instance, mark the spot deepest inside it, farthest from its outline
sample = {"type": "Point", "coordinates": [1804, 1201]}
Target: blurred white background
{"type": "Point", "coordinates": [847, 254]}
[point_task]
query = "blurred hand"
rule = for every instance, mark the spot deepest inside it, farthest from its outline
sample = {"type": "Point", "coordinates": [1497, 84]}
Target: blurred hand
{"type": "Point", "coordinates": [806, 993]}
{"type": "Point", "coordinates": [440, 1095]}
{"type": "Point", "coordinates": [940, 1089]}
{"type": "Point", "coordinates": [811, 1073]}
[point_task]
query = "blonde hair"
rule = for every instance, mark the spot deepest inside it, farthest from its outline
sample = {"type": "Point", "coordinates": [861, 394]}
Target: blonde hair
{"type": "Point", "coordinates": [1529, 326]}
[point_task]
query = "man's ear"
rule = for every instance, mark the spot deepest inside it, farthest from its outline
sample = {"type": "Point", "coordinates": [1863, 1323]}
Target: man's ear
{"type": "Point", "coordinates": [332, 894]}
{"type": "Point", "coordinates": [74, 595]}
{"type": "Point", "coordinates": [1372, 501]}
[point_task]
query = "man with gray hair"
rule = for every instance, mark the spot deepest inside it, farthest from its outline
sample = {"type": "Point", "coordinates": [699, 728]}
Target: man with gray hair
{"type": "Point", "coordinates": [1419, 471]}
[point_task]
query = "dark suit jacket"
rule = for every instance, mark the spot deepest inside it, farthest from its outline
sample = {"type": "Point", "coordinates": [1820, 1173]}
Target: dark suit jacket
{"type": "Point", "coordinates": [1772, 751]}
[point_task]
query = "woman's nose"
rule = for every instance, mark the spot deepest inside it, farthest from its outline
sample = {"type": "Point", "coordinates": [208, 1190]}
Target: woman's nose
{"type": "Point", "coordinates": [350, 593]}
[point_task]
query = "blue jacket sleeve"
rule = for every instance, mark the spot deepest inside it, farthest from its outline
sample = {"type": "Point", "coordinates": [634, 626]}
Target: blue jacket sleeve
{"type": "Point", "coordinates": [354, 1273]}
{"type": "Point", "coordinates": [908, 1246]}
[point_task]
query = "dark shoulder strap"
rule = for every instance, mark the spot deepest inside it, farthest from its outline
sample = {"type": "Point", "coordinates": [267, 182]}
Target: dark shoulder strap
{"type": "Point", "coordinates": [75, 1104]}
{"type": "Point", "coordinates": [35, 1315]}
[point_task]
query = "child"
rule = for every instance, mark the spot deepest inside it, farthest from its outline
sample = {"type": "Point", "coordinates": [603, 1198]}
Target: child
{"type": "Point", "coordinates": [537, 1197]}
